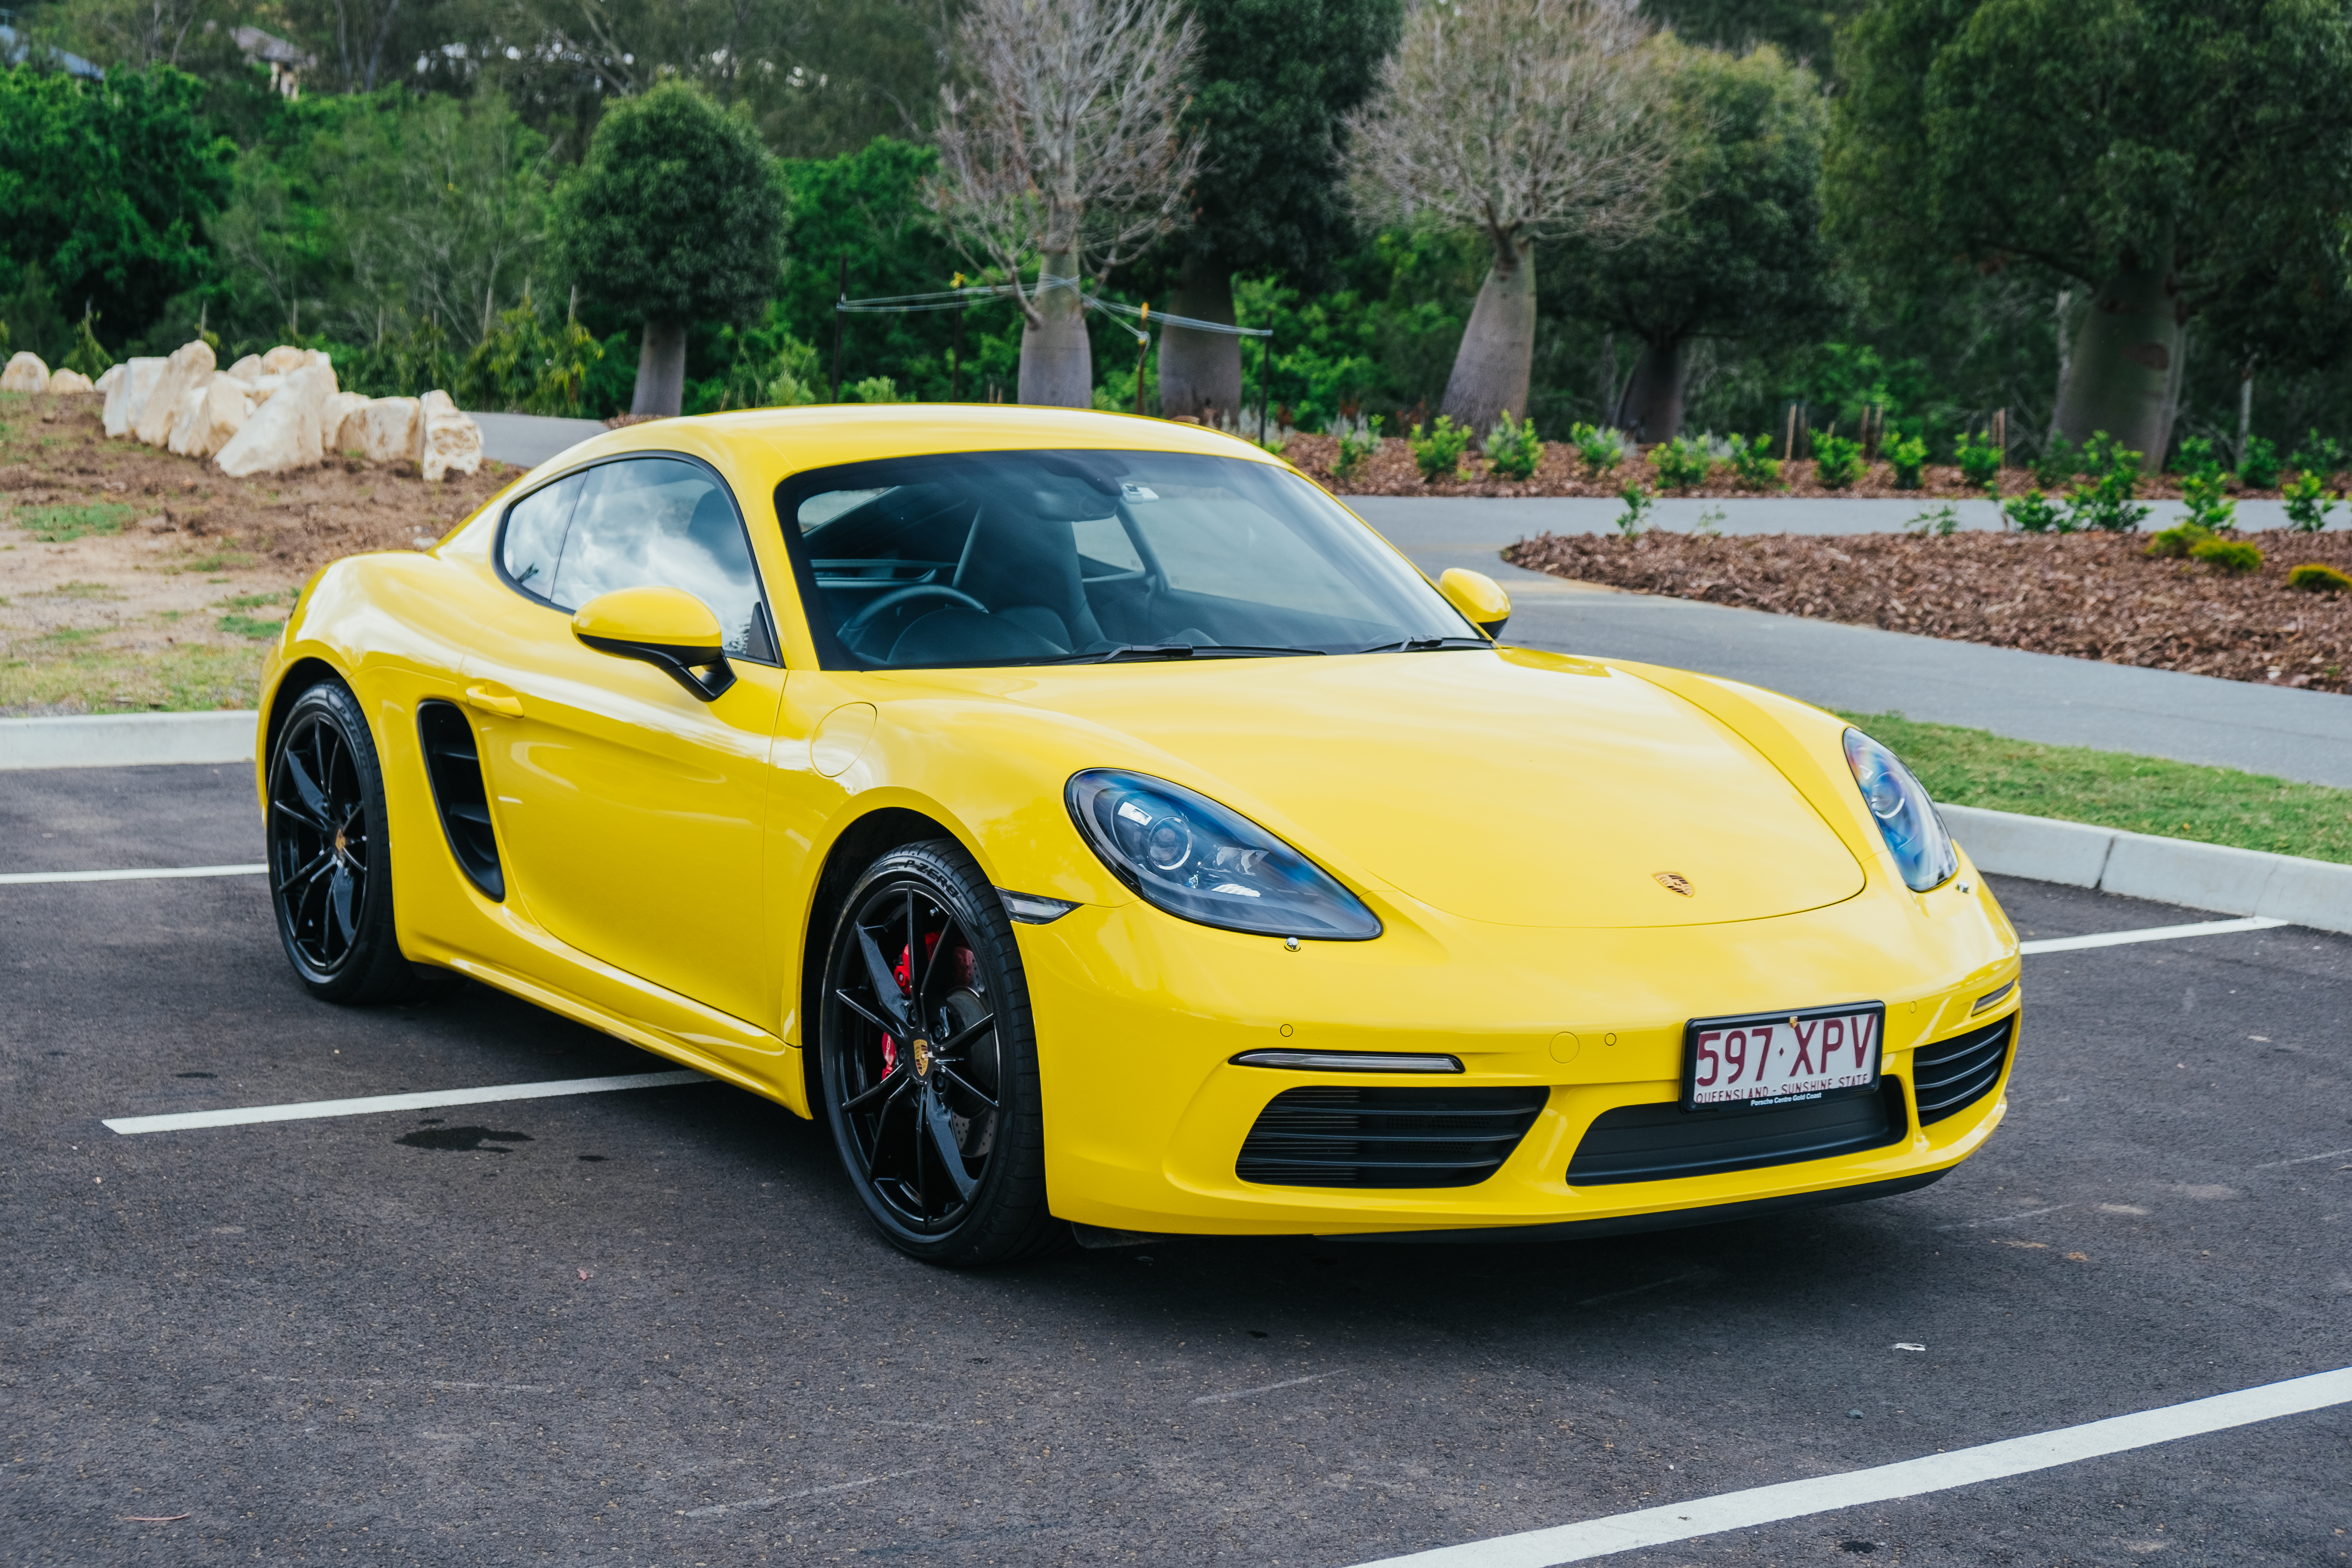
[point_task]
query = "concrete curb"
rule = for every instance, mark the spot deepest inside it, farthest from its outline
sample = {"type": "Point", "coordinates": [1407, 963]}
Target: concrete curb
{"type": "Point", "coordinates": [2314, 893]}
{"type": "Point", "coordinates": [127, 740]}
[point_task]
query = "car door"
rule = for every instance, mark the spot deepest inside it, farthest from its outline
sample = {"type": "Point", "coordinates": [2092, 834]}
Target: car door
{"type": "Point", "coordinates": [632, 810]}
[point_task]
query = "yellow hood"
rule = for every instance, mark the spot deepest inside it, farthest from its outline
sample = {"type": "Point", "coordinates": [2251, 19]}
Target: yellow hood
{"type": "Point", "coordinates": [1523, 789]}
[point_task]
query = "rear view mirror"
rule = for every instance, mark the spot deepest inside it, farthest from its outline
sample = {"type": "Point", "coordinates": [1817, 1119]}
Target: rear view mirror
{"type": "Point", "coordinates": [1479, 597]}
{"type": "Point", "coordinates": [668, 628]}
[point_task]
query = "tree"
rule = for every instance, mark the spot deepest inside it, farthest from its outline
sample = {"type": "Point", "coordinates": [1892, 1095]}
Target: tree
{"type": "Point", "coordinates": [1275, 82]}
{"type": "Point", "coordinates": [1738, 253]}
{"type": "Point", "coordinates": [676, 215]}
{"type": "Point", "coordinates": [1068, 149]}
{"type": "Point", "coordinates": [2169, 154]}
{"type": "Point", "coordinates": [1525, 120]}
{"type": "Point", "coordinates": [865, 208]}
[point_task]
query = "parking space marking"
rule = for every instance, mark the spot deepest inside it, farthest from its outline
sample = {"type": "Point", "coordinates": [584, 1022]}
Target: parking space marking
{"type": "Point", "coordinates": [1885, 1483]}
{"type": "Point", "coordinates": [2304, 1159]}
{"type": "Point", "coordinates": [140, 873]}
{"type": "Point", "coordinates": [716, 1508]}
{"type": "Point", "coordinates": [1265, 1389]}
{"type": "Point", "coordinates": [238, 1116]}
{"type": "Point", "coordinates": [2150, 934]}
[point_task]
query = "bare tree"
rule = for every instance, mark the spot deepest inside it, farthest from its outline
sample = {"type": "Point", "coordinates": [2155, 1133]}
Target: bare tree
{"type": "Point", "coordinates": [1066, 149]}
{"type": "Point", "coordinates": [1528, 120]}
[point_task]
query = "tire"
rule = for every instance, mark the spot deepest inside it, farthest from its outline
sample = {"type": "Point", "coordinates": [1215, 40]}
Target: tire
{"type": "Point", "coordinates": [330, 861]}
{"type": "Point", "coordinates": [927, 1052]}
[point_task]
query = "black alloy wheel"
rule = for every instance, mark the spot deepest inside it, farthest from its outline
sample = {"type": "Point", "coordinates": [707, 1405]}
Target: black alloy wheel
{"type": "Point", "coordinates": [928, 1065]}
{"type": "Point", "coordinates": [329, 872]}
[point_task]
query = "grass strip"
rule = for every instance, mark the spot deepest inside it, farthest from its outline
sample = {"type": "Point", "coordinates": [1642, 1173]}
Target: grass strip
{"type": "Point", "coordinates": [187, 679]}
{"type": "Point", "coordinates": [2115, 789]}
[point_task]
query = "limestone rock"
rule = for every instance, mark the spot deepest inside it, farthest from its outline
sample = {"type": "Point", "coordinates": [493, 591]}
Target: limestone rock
{"type": "Point", "coordinates": [282, 359]}
{"type": "Point", "coordinates": [344, 421]}
{"type": "Point", "coordinates": [64, 381]}
{"type": "Point", "coordinates": [129, 393]}
{"type": "Point", "coordinates": [25, 373]}
{"type": "Point", "coordinates": [284, 433]}
{"type": "Point", "coordinates": [209, 416]}
{"type": "Point", "coordinates": [191, 365]}
{"type": "Point", "coordinates": [388, 429]}
{"type": "Point", "coordinates": [247, 370]}
{"type": "Point", "coordinates": [113, 373]}
{"type": "Point", "coordinates": [266, 387]}
{"type": "Point", "coordinates": [448, 441]}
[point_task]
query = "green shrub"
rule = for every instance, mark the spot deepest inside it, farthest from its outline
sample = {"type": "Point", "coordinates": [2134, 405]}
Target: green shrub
{"type": "Point", "coordinates": [2258, 466]}
{"type": "Point", "coordinates": [873, 389]}
{"type": "Point", "coordinates": [1355, 448]}
{"type": "Point", "coordinates": [1935, 522]}
{"type": "Point", "coordinates": [1638, 502]}
{"type": "Point", "coordinates": [2036, 513]}
{"type": "Point", "coordinates": [2209, 507]}
{"type": "Point", "coordinates": [1600, 449]}
{"type": "Point", "coordinates": [2320, 455]}
{"type": "Point", "coordinates": [1753, 464]}
{"type": "Point", "coordinates": [1908, 454]}
{"type": "Point", "coordinates": [1438, 454]}
{"type": "Point", "coordinates": [88, 356]}
{"type": "Point", "coordinates": [2318, 579]}
{"type": "Point", "coordinates": [2106, 503]}
{"type": "Point", "coordinates": [1513, 448]}
{"type": "Point", "coordinates": [2307, 505]}
{"type": "Point", "coordinates": [1979, 460]}
{"type": "Point", "coordinates": [1681, 463]}
{"type": "Point", "coordinates": [2175, 543]}
{"type": "Point", "coordinates": [1837, 461]}
{"type": "Point", "coordinates": [2229, 557]}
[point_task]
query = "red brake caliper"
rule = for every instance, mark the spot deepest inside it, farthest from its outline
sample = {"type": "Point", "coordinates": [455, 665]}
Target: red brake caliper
{"type": "Point", "coordinates": [905, 976]}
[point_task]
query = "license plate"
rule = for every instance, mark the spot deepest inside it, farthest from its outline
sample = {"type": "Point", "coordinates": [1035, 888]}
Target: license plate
{"type": "Point", "coordinates": [1782, 1058]}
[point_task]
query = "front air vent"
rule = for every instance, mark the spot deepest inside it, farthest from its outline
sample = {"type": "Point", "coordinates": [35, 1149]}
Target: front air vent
{"type": "Point", "coordinates": [1949, 1076]}
{"type": "Point", "coordinates": [455, 770]}
{"type": "Point", "coordinates": [1386, 1137]}
{"type": "Point", "coordinates": [1659, 1143]}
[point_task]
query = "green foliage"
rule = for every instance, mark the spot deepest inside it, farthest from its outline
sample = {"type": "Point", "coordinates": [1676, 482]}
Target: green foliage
{"type": "Point", "coordinates": [87, 356]}
{"type": "Point", "coordinates": [676, 215]}
{"type": "Point", "coordinates": [2204, 487]}
{"type": "Point", "coordinates": [1438, 454]}
{"type": "Point", "coordinates": [1383, 344]}
{"type": "Point", "coordinates": [872, 389]}
{"type": "Point", "coordinates": [767, 367]}
{"type": "Point", "coordinates": [2257, 468]}
{"type": "Point", "coordinates": [1681, 463]}
{"type": "Point", "coordinates": [2320, 455]}
{"type": "Point", "coordinates": [528, 365]}
{"type": "Point", "coordinates": [1638, 501]}
{"type": "Point", "coordinates": [1979, 458]}
{"type": "Point", "coordinates": [2106, 503]}
{"type": "Point", "coordinates": [2058, 461]}
{"type": "Point", "coordinates": [1600, 449]}
{"type": "Point", "coordinates": [1837, 461]}
{"type": "Point", "coordinates": [2230, 557]}
{"type": "Point", "coordinates": [2174, 543]}
{"type": "Point", "coordinates": [866, 208]}
{"type": "Point", "coordinates": [1354, 449]}
{"type": "Point", "coordinates": [409, 365]}
{"type": "Point", "coordinates": [1513, 448]}
{"type": "Point", "coordinates": [2036, 513]}
{"type": "Point", "coordinates": [2315, 578]}
{"type": "Point", "coordinates": [1907, 455]}
{"type": "Point", "coordinates": [1935, 522]}
{"type": "Point", "coordinates": [31, 318]}
{"type": "Point", "coordinates": [250, 627]}
{"type": "Point", "coordinates": [64, 524]}
{"type": "Point", "coordinates": [1753, 465]}
{"type": "Point", "coordinates": [2307, 505]}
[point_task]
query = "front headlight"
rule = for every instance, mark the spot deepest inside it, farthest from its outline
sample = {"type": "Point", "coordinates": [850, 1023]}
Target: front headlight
{"type": "Point", "coordinates": [1188, 855]}
{"type": "Point", "coordinates": [1907, 818]}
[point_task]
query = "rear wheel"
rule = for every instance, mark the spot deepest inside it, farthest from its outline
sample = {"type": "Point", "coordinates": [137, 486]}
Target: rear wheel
{"type": "Point", "coordinates": [928, 1062]}
{"type": "Point", "coordinates": [330, 866]}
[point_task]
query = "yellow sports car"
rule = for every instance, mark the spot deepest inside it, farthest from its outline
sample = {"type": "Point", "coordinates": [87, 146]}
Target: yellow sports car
{"type": "Point", "coordinates": [1096, 825]}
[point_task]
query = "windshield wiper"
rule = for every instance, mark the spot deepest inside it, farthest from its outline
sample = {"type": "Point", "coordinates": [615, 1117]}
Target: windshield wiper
{"type": "Point", "coordinates": [1425, 645]}
{"type": "Point", "coordinates": [1180, 650]}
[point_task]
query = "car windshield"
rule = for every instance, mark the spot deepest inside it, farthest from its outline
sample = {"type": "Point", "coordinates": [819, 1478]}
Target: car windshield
{"type": "Point", "coordinates": [994, 558]}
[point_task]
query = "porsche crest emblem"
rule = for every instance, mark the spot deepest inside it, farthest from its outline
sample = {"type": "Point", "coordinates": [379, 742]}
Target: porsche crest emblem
{"type": "Point", "coordinates": [1675, 882]}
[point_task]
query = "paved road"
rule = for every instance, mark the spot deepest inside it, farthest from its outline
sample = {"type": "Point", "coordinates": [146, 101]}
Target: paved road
{"type": "Point", "coordinates": [527, 440]}
{"type": "Point", "coordinates": [651, 1327]}
{"type": "Point", "coordinates": [2303, 735]}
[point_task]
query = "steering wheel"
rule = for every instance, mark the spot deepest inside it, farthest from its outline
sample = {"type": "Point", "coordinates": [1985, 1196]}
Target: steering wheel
{"type": "Point", "coordinates": [856, 629]}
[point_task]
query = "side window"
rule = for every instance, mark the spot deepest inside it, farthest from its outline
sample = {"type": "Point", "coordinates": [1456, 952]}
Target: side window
{"type": "Point", "coordinates": [534, 536]}
{"type": "Point", "coordinates": [654, 523]}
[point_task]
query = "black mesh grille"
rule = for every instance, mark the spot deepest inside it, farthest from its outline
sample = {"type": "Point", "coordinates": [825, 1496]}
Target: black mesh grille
{"type": "Point", "coordinates": [1386, 1137]}
{"type": "Point", "coordinates": [1949, 1076]}
{"type": "Point", "coordinates": [1656, 1142]}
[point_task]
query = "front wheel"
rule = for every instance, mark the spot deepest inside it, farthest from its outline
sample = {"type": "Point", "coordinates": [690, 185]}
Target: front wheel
{"type": "Point", "coordinates": [928, 1062]}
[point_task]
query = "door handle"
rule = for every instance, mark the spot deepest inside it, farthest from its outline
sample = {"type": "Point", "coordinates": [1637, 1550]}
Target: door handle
{"type": "Point", "coordinates": [491, 699]}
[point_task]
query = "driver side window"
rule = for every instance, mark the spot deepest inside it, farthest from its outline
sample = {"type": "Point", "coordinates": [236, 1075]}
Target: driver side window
{"type": "Point", "coordinates": [636, 524]}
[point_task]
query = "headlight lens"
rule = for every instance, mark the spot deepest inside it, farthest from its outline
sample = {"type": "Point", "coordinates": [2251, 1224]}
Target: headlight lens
{"type": "Point", "coordinates": [1907, 818]}
{"type": "Point", "coordinates": [1188, 855]}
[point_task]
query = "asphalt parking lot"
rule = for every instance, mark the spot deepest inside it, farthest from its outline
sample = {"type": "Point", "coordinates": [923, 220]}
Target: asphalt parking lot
{"type": "Point", "coordinates": [652, 1327]}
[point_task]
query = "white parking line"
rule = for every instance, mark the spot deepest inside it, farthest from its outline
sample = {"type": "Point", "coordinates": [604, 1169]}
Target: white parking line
{"type": "Point", "coordinates": [142, 874]}
{"type": "Point", "coordinates": [1936, 1472]}
{"type": "Point", "coordinates": [716, 1508]}
{"type": "Point", "coordinates": [2150, 934]}
{"type": "Point", "coordinates": [1266, 1388]}
{"type": "Point", "coordinates": [307, 1110]}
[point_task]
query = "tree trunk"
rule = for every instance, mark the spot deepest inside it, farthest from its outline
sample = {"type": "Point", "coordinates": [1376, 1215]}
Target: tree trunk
{"type": "Point", "coordinates": [661, 370]}
{"type": "Point", "coordinates": [1201, 370]}
{"type": "Point", "coordinates": [2122, 361]}
{"type": "Point", "coordinates": [1652, 405]}
{"type": "Point", "coordinates": [1057, 363]}
{"type": "Point", "coordinates": [1498, 346]}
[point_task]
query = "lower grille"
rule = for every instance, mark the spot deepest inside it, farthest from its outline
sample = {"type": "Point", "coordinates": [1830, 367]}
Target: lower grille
{"type": "Point", "coordinates": [1949, 1076]}
{"type": "Point", "coordinates": [1656, 1143]}
{"type": "Point", "coordinates": [1386, 1137]}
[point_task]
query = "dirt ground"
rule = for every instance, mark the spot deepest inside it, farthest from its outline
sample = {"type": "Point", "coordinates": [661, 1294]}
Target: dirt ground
{"type": "Point", "coordinates": [133, 579]}
{"type": "Point", "coordinates": [2087, 595]}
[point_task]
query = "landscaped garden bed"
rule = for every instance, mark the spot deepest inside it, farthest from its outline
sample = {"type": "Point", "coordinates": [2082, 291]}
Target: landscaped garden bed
{"type": "Point", "coordinates": [2084, 596]}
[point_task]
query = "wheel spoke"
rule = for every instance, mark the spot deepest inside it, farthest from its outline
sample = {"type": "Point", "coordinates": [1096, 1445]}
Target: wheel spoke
{"type": "Point", "coordinates": [340, 890]}
{"type": "Point", "coordinates": [939, 949]}
{"type": "Point", "coordinates": [944, 1141]}
{"type": "Point", "coordinates": [890, 1084]}
{"type": "Point", "coordinates": [314, 801]}
{"type": "Point", "coordinates": [854, 1005]}
{"type": "Point", "coordinates": [887, 995]}
{"type": "Point", "coordinates": [965, 1035]}
{"type": "Point", "coordinates": [965, 1084]}
{"type": "Point", "coordinates": [303, 876]}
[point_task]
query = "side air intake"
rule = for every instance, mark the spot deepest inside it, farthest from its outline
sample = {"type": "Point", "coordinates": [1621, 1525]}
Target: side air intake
{"type": "Point", "coordinates": [456, 768]}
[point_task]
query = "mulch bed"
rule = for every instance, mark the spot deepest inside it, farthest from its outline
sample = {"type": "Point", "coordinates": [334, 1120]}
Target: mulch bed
{"type": "Point", "coordinates": [2084, 596]}
{"type": "Point", "coordinates": [1390, 472]}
